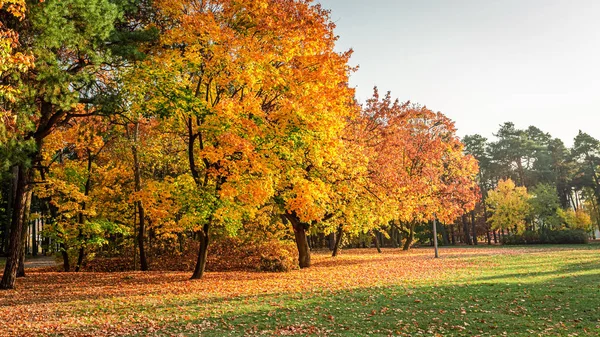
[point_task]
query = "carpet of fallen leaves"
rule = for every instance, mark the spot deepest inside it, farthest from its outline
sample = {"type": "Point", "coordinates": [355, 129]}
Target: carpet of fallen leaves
{"type": "Point", "coordinates": [110, 304]}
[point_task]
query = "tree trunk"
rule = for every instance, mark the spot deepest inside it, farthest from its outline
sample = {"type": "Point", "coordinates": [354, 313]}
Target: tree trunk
{"type": "Point", "coordinates": [80, 257]}
{"type": "Point", "coordinates": [338, 241]}
{"type": "Point", "coordinates": [202, 252]}
{"type": "Point", "coordinates": [410, 237]}
{"type": "Point", "coordinates": [65, 256]}
{"type": "Point", "coordinates": [489, 237]}
{"type": "Point", "coordinates": [9, 210]}
{"type": "Point", "coordinates": [88, 186]}
{"type": "Point", "coordinates": [141, 236]}
{"type": "Point", "coordinates": [452, 235]}
{"type": "Point", "coordinates": [495, 236]}
{"type": "Point", "coordinates": [25, 232]}
{"type": "Point", "coordinates": [301, 242]}
{"type": "Point", "coordinates": [466, 234]}
{"type": "Point", "coordinates": [521, 171]}
{"type": "Point", "coordinates": [474, 231]}
{"type": "Point", "coordinates": [15, 242]}
{"type": "Point", "coordinates": [394, 236]}
{"type": "Point", "coordinates": [331, 241]}
{"type": "Point", "coordinates": [377, 244]}
{"type": "Point", "coordinates": [34, 242]}
{"type": "Point", "coordinates": [140, 206]}
{"type": "Point", "coordinates": [303, 250]}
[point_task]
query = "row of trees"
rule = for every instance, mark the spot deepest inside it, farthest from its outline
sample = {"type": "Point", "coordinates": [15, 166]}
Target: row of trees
{"type": "Point", "coordinates": [532, 181]}
{"type": "Point", "coordinates": [127, 123]}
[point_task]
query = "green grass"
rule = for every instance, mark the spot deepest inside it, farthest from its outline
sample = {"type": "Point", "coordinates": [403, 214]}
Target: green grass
{"type": "Point", "coordinates": [503, 291]}
{"type": "Point", "coordinates": [536, 292]}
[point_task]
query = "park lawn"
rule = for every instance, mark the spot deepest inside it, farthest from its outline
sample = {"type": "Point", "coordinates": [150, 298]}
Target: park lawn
{"type": "Point", "coordinates": [480, 291]}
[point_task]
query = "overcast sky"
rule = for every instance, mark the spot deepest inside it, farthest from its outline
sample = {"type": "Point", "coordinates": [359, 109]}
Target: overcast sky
{"type": "Point", "coordinates": [481, 62]}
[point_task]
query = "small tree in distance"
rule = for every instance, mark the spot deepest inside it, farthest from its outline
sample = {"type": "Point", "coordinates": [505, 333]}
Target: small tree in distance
{"type": "Point", "coordinates": [509, 206]}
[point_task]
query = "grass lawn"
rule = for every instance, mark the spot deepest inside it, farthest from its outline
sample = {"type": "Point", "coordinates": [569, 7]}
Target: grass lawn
{"type": "Point", "coordinates": [479, 291]}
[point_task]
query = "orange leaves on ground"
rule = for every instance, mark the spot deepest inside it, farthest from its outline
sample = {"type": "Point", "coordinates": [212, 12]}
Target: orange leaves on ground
{"type": "Point", "coordinates": [119, 303]}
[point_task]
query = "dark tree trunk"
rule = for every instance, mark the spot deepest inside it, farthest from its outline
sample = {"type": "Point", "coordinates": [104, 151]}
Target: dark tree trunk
{"type": "Point", "coordinates": [410, 237]}
{"type": "Point", "coordinates": [331, 241]}
{"type": "Point", "coordinates": [82, 219]}
{"type": "Point", "coordinates": [377, 244]}
{"type": "Point", "coordinates": [65, 256]}
{"type": "Point", "coordinates": [394, 236]}
{"type": "Point", "coordinates": [141, 235]}
{"type": "Point", "coordinates": [16, 232]}
{"type": "Point", "coordinates": [452, 235]}
{"type": "Point", "coordinates": [495, 236]}
{"type": "Point", "coordinates": [466, 234]}
{"type": "Point", "coordinates": [303, 250]}
{"type": "Point", "coordinates": [474, 230]}
{"type": "Point", "coordinates": [11, 201]}
{"type": "Point", "coordinates": [139, 205]}
{"type": "Point", "coordinates": [300, 237]}
{"type": "Point", "coordinates": [489, 237]}
{"type": "Point", "coordinates": [338, 241]}
{"type": "Point", "coordinates": [80, 257]}
{"type": "Point", "coordinates": [202, 252]}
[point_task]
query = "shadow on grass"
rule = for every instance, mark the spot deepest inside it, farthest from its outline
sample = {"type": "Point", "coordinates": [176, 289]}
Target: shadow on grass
{"type": "Point", "coordinates": [487, 306]}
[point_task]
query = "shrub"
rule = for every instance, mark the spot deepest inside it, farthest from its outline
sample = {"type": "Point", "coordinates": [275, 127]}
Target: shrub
{"type": "Point", "coordinates": [225, 254]}
{"type": "Point", "coordinates": [564, 236]}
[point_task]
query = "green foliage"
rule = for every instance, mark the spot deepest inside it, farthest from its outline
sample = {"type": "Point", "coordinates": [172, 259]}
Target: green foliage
{"type": "Point", "coordinates": [545, 205]}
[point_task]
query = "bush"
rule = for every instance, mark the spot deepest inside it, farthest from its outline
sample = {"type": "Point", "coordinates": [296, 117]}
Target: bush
{"type": "Point", "coordinates": [226, 254]}
{"type": "Point", "coordinates": [565, 236]}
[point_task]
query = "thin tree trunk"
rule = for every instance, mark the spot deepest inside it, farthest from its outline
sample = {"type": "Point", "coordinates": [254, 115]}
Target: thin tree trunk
{"type": "Point", "coordinates": [80, 257]}
{"type": "Point", "coordinates": [82, 219]}
{"type": "Point", "coordinates": [452, 235]}
{"type": "Point", "coordinates": [202, 252]}
{"type": "Point", "coordinates": [34, 241]}
{"type": "Point", "coordinates": [474, 231]}
{"type": "Point", "coordinates": [139, 205]}
{"type": "Point", "coordinates": [466, 230]}
{"type": "Point", "coordinates": [338, 241]}
{"type": "Point", "coordinates": [25, 232]}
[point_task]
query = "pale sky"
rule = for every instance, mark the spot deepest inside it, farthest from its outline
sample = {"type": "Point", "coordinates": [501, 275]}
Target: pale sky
{"type": "Point", "coordinates": [480, 62]}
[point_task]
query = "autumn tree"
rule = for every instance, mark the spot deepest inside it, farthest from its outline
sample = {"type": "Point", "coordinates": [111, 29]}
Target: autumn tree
{"type": "Point", "coordinates": [508, 205]}
{"type": "Point", "coordinates": [71, 43]}
{"type": "Point", "coordinates": [256, 111]}
{"type": "Point", "coordinates": [418, 167]}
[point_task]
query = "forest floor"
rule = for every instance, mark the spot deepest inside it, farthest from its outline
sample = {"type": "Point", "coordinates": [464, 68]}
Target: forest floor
{"type": "Point", "coordinates": [478, 291]}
